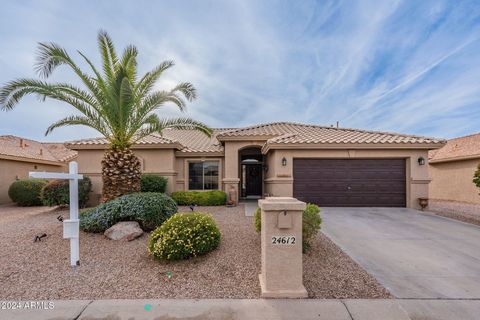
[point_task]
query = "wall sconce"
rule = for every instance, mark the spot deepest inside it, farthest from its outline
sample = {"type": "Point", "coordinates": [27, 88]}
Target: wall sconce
{"type": "Point", "coordinates": [284, 161]}
{"type": "Point", "coordinates": [421, 161]}
{"type": "Point", "coordinates": [265, 167]}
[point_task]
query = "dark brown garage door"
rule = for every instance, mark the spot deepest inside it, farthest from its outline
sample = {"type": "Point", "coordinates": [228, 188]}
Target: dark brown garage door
{"type": "Point", "coordinates": [350, 182]}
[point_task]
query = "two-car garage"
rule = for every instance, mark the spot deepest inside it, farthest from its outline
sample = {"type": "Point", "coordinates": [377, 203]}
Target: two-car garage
{"type": "Point", "coordinates": [350, 182]}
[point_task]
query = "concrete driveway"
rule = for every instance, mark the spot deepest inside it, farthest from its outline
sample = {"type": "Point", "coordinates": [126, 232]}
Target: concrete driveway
{"type": "Point", "coordinates": [413, 254]}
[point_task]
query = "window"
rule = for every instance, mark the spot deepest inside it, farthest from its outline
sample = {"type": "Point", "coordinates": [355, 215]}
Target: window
{"type": "Point", "coordinates": [203, 175]}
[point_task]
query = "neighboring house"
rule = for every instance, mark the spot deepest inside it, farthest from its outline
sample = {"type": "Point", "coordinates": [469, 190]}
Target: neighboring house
{"type": "Point", "coordinates": [18, 156]}
{"type": "Point", "coordinates": [325, 165]}
{"type": "Point", "coordinates": [452, 168]}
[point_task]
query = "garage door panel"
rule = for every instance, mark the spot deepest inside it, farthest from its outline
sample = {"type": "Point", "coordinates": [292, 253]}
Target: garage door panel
{"type": "Point", "coordinates": [350, 182]}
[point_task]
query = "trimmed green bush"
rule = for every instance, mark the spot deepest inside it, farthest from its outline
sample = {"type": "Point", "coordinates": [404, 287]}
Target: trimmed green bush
{"type": "Point", "coordinates": [310, 226]}
{"type": "Point", "coordinates": [57, 192]}
{"type": "Point", "coordinates": [258, 220]}
{"type": "Point", "coordinates": [149, 209]}
{"type": "Point", "coordinates": [26, 192]}
{"type": "Point", "coordinates": [183, 236]}
{"type": "Point", "coordinates": [153, 183]}
{"type": "Point", "coordinates": [476, 177]}
{"type": "Point", "coordinates": [200, 198]}
{"type": "Point", "coordinates": [311, 222]}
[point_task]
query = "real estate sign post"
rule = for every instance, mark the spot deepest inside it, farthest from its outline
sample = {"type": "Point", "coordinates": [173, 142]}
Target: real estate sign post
{"type": "Point", "coordinates": [71, 227]}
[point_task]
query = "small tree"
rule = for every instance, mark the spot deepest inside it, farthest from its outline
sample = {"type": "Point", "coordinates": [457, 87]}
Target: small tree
{"type": "Point", "coordinates": [476, 177]}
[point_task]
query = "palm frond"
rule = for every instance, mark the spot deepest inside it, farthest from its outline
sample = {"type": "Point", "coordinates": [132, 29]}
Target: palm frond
{"type": "Point", "coordinates": [187, 89]}
{"type": "Point", "coordinates": [78, 120]}
{"type": "Point", "coordinates": [114, 102]}
{"type": "Point", "coordinates": [109, 56]}
{"type": "Point", "coordinates": [129, 62]}
{"type": "Point", "coordinates": [147, 82]}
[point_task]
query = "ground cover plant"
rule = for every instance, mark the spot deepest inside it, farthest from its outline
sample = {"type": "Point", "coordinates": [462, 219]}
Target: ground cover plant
{"type": "Point", "coordinates": [149, 209]}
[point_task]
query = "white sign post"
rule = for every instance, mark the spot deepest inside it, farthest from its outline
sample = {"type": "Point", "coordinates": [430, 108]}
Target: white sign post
{"type": "Point", "coordinates": [71, 227]}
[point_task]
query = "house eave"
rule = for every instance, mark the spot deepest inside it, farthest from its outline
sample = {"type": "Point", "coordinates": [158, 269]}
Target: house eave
{"type": "Point", "coordinates": [452, 159]}
{"type": "Point", "coordinates": [133, 147]}
{"type": "Point", "coordinates": [352, 146]}
{"type": "Point", "coordinates": [187, 154]}
{"type": "Point", "coordinates": [32, 160]}
{"type": "Point", "coordinates": [246, 138]}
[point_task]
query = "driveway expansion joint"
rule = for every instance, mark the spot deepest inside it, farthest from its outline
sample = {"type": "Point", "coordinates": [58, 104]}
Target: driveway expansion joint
{"type": "Point", "coordinates": [83, 309]}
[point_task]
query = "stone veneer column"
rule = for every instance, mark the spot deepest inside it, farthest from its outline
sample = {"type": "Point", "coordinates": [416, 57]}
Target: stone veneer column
{"type": "Point", "coordinates": [282, 269]}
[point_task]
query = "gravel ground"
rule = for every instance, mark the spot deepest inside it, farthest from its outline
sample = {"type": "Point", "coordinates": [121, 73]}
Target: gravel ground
{"type": "Point", "coordinates": [116, 270]}
{"type": "Point", "coordinates": [466, 212]}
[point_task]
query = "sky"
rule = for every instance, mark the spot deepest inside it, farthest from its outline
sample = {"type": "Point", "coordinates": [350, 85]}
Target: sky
{"type": "Point", "coordinates": [402, 66]}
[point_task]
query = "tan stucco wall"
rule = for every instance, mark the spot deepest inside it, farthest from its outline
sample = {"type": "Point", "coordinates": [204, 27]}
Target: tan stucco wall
{"type": "Point", "coordinates": [154, 161]}
{"type": "Point", "coordinates": [279, 180]}
{"type": "Point", "coordinates": [452, 181]}
{"type": "Point", "coordinates": [232, 170]}
{"type": "Point", "coordinates": [10, 170]}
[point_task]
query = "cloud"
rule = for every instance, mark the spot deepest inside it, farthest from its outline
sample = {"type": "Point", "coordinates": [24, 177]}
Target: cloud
{"type": "Point", "coordinates": [393, 65]}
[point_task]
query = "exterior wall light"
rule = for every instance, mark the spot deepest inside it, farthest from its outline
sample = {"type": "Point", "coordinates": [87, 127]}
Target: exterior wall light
{"type": "Point", "coordinates": [284, 161]}
{"type": "Point", "coordinates": [421, 161]}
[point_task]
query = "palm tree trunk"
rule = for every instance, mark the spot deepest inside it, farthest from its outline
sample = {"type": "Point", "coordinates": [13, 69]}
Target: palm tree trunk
{"type": "Point", "coordinates": [120, 173]}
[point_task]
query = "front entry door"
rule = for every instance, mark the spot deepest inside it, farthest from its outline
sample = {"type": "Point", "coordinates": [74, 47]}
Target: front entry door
{"type": "Point", "coordinates": [253, 179]}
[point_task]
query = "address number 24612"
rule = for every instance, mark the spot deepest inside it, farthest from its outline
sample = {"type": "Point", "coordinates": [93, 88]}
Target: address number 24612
{"type": "Point", "coordinates": [283, 240]}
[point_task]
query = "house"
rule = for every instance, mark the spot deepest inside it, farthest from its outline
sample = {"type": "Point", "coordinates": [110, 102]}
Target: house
{"type": "Point", "coordinates": [19, 156]}
{"type": "Point", "coordinates": [324, 165]}
{"type": "Point", "coordinates": [452, 168]}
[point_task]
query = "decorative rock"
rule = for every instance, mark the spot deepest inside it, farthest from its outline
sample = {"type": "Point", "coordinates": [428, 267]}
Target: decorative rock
{"type": "Point", "coordinates": [125, 230]}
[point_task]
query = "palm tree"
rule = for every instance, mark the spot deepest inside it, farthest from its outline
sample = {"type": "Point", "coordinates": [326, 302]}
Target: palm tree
{"type": "Point", "coordinates": [116, 103]}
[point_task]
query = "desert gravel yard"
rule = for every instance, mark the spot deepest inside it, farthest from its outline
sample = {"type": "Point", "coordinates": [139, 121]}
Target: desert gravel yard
{"type": "Point", "coordinates": [115, 270]}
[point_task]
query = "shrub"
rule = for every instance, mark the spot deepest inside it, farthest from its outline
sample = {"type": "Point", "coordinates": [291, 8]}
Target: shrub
{"type": "Point", "coordinates": [153, 183]}
{"type": "Point", "coordinates": [183, 236]}
{"type": "Point", "coordinates": [26, 192]}
{"type": "Point", "coordinates": [258, 220]}
{"type": "Point", "coordinates": [310, 226]}
{"type": "Point", "coordinates": [149, 209]}
{"type": "Point", "coordinates": [200, 198]}
{"type": "Point", "coordinates": [57, 192]}
{"type": "Point", "coordinates": [311, 222]}
{"type": "Point", "coordinates": [476, 177]}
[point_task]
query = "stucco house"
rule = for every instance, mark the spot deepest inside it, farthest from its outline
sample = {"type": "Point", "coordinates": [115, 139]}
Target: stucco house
{"type": "Point", "coordinates": [325, 165]}
{"type": "Point", "coordinates": [18, 156]}
{"type": "Point", "coordinates": [452, 168]}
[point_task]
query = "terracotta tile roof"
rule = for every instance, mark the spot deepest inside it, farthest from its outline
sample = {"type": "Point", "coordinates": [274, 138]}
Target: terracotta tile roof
{"type": "Point", "coordinates": [272, 133]}
{"type": "Point", "coordinates": [296, 133]}
{"type": "Point", "coordinates": [149, 140]}
{"type": "Point", "coordinates": [458, 148]}
{"type": "Point", "coordinates": [30, 149]}
{"type": "Point", "coordinates": [196, 141]}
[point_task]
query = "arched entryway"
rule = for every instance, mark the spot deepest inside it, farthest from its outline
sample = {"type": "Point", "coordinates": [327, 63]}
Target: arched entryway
{"type": "Point", "coordinates": [251, 172]}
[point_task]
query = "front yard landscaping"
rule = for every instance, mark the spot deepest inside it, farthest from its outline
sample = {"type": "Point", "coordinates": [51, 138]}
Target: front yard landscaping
{"type": "Point", "coordinates": [120, 269]}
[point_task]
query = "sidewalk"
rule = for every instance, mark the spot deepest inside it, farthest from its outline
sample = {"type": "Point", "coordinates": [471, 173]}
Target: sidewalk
{"type": "Point", "coordinates": [222, 309]}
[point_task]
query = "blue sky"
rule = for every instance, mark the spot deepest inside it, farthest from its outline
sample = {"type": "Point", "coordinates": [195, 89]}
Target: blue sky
{"type": "Point", "coordinates": [404, 66]}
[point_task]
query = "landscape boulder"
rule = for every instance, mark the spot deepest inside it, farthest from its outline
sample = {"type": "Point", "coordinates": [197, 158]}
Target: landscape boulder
{"type": "Point", "coordinates": [125, 230]}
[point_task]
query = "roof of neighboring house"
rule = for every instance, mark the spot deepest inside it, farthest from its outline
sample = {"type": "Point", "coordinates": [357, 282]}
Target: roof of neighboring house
{"type": "Point", "coordinates": [25, 149]}
{"type": "Point", "coordinates": [277, 133]}
{"type": "Point", "coordinates": [467, 147]}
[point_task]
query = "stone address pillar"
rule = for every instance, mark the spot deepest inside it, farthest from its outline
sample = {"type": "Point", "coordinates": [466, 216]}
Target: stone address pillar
{"type": "Point", "coordinates": [282, 269]}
